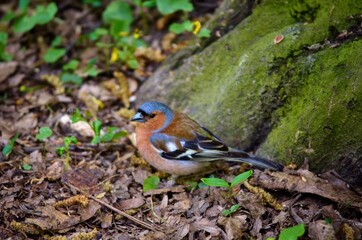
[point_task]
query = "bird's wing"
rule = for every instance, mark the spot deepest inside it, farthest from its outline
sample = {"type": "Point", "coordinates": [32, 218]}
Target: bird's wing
{"type": "Point", "coordinates": [202, 146]}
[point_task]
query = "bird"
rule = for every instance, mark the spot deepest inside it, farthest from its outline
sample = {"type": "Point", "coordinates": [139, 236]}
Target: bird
{"type": "Point", "coordinates": [172, 142]}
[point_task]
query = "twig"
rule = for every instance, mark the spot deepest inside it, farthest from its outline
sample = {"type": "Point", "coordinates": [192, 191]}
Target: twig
{"type": "Point", "coordinates": [136, 220]}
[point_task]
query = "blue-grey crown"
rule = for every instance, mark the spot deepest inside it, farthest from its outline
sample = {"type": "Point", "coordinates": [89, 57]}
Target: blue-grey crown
{"type": "Point", "coordinates": [149, 107]}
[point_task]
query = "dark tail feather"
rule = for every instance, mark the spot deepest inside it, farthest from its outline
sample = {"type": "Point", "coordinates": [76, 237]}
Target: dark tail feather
{"type": "Point", "coordinates": [240, 156]}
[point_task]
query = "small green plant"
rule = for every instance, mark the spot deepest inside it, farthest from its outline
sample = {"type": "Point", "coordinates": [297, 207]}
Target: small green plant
{"type": "Point", "coordinates": [54, 53]}
{"type": "Point", "coordinates": [218, 182]}
{"type": "Point", "coordinates": [42, 15]}
{"type": "Point", "coordinates": [112, 132]}
{"type": "Point", "coordinates": [230, 211]}
{"type": "Point", "coordinates": [3, 41]}
{"type": "Point", "coordinates": [65, 148]}
{"type": "Point", "coordinates": [26, 167]}
{"type": "Point", "coordinates": [44, 133]}
{"type": "Point", "coordinates": [151, 183]}
{"type": "Point", "coordinates": [8, 148]}
{"type": "Point", "coordinates": [292, 233]}
{"type": "Point", "coordinates": [188, 26]}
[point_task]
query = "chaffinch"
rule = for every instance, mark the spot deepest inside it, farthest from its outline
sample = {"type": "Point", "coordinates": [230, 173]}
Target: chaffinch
{"type": "Point", "coordinates": [174, 143]}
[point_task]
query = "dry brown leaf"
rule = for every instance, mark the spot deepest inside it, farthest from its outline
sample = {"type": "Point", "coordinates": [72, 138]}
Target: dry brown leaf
{"type": "Point", "coordinates": [203, 224]}
{"type": "Point", "coordinates": [313, 184]}
{"type": "Point", "coordinates": [321, 230]}
{"type": "Point", "coordinates": [131, 203]}
{"type": "Point", "coordinates": [6, 69]}
{"type": "Point", "coordinates": [234, 226]}
{"type": "Point", "coordinates": [107, 220]}
{"type": "Point", "coordinates": [55, 171]}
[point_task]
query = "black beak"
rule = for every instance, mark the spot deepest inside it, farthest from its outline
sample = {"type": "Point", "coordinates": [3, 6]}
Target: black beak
{"type": "Point", "coordinates": [138, 117]}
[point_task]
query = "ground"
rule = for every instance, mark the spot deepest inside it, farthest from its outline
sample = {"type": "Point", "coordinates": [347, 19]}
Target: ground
{"type": "Point", "coordinates": [98, 190]}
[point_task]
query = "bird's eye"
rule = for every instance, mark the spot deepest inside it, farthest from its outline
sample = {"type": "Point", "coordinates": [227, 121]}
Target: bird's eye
{"type": "Point", "coordinates": [152, 115]}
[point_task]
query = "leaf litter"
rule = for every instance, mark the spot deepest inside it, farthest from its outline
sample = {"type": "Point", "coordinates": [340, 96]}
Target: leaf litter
{"type": "Point", "coordinates": [101, 195]}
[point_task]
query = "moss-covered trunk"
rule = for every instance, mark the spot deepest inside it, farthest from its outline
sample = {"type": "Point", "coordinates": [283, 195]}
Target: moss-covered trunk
{"type": "Point", "coordinates": [300, 98]}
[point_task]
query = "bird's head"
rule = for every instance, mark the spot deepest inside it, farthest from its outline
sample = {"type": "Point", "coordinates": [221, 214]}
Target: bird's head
{"type": "Point", "coordinates": [154, 116]}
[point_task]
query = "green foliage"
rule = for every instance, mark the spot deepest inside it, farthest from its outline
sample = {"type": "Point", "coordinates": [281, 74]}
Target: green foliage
{"type": "Point", "coordinates": [170, 6]}
{"type": "Point", "coordinates": [23, 5]}
{"type": "Point", "coordinates": [292, 233]}
{"type": "Point", "coordinates": [77, 116]}
{"type": "Point", "coordinates": [42, 15]}
{"type": "Point", "coordinates": [96, 126]}
{"type": "Point", "coordinates": [53, 54]}
{"type": "Point", "coordinates": [3, 41]}
{"type": "Point", "coordinates": [185, 26]}
{"type": "Point", "coordinates": [90, 69]}
{"type": "Point", "coordinates": [26, 167]}
{"type": "Point", "coordinates": [215, 182]}
{"type": "Point", "coordinates": [228, 212]}
{"type": "Point", "coordinates": [188, 26]}
{"type": "Point", "coordinates": [71, 78]}
{"type": "Point", "coordinates": [113, 134]}
{"type": "Point", "coordinates": [8, 148]}
{"type": "Point", "coordinates": [119, 16]}
{"type": "Point", "coordinates": [151, 183]}
{"type": "Point", "coordinates": [44, 132]}
{"type": "Point", "coordinates": [71, 65]}
{"type": "Point", "coordinates": [65, 148]}
{"type": "Point", "coordinates": [241, 178]}
{"type": "Point", "coordinates": [93, 3]}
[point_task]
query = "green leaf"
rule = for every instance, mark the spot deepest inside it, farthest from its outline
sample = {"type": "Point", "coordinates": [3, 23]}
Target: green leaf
{"type": "Point", "coordinates": [132, 63]}
{"type": "Point", "coordinates": [26, 167]}
{"type": "Point", "coordinates": [44, 14]}
{"type": "Point", "coordinates": [149, 4]}
{"type": "Point", "coordinates": [93, 3]}
{"type": "Point", "coordinates": [44, 132]}
{"type": "Point", "coordinates": [113, 134]}
{"type": "Point", "coordinates": [230, 211]}
{"type": "Point", "coordinates": [24, 24]}
{"type": "Point", "coordinates": [188, 25]}
{"type": "Point", "coordinates": [118, 26]}
{"type": "Point", "coordinates": [98, 32]}
{"type": "Point", "coordinates": [60, 150]}
{"type": "Point", "coordinates": [56, 41]}
{"type": "Point", "coordinates": [53, 54]}
{"type": "Point", "coordinates": [71, 65]}
{"type": "Point", "coordinates": [241, 177]}
{"type": "Point", "coordinates": [151, 183]}
{"type": "Point", "coordinates": [226, 212]}
{"type": "Point", "coordinates": [170, 6]}
{"type": "Point", "coordinates": [234, 208]}
{"type": "Point", "coordinates": [96, 140]}
{"type": "Point", "coordinates": [176, 28]}
{"type": "Point", "coordinates": [215, 182]}
{"type": "Point", "coordinates": [8, 148]}
{"type": "Point", "coordinates": [92, 72]}
{"type": "Point", "coordinates": [118, 11]}
{"type": "Point", "coordinates": [71, 78]}
{"type": "Point", "coordinates": [3, 40]}
{"type": "Point", "coordinates": [23, 5]}
{"type": "Point", "coordinates": [77, 116]}
{"type": "Point", "coordinates": [204, 33]}
{"type": "Point", "coordinates": [292, 233]}
{"type": "Point", "coordinates": [96, 126]}
{"type": "Point", "coordinates": [10, 15]}
{"type": "Point", "coordinates": [69, 140]}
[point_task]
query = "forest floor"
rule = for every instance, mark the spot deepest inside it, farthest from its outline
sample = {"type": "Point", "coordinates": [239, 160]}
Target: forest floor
{"type": "Point", "coordinates": [69, 174]}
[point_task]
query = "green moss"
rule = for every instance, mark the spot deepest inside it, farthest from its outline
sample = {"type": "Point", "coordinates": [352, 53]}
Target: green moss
{"type": "Point", "coordinates": [322, 120]}
{"type": "Point", "coordinates": [243, 85]}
